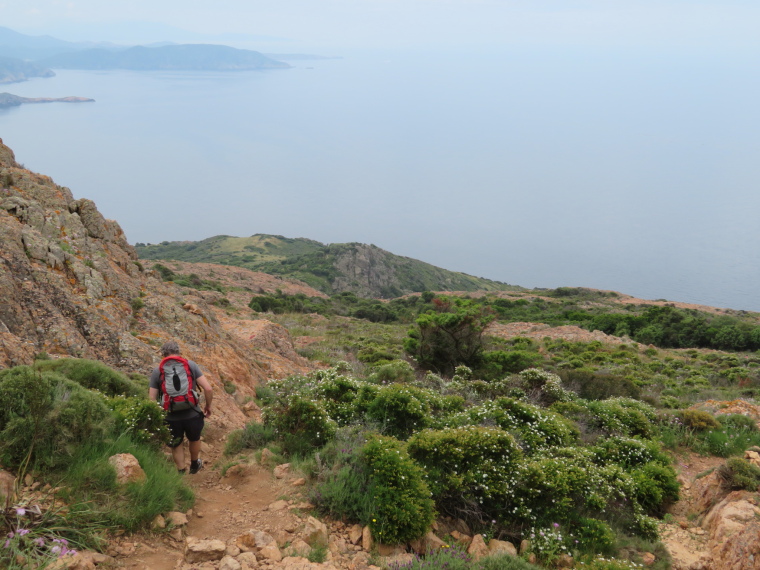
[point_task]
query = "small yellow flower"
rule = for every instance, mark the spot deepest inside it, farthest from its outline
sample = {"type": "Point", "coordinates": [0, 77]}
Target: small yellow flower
{"type": "Point", "coordinates": [374, 520]}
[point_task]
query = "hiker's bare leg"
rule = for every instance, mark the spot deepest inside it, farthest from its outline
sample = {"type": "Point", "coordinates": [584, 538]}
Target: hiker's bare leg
{"type": "Point", "coordinates": [178, 454]}
{"type": "Point", "coordinates": [195, 450]}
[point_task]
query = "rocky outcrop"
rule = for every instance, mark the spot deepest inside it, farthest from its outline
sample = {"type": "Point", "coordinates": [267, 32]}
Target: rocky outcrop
{"type": "Point", "coordinates": [73, 286]}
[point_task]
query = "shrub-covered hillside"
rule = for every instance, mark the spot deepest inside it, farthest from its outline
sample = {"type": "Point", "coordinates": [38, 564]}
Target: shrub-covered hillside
{"type": "Point", "coordinates": [426, 415]}
{"type": "Point", "coordinates": [363, 269]}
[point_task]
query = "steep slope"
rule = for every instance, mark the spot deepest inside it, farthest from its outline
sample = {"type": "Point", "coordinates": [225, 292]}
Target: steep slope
{"type": "Point", "coordinates": [366, 270]}
{"type": "Point", "coordinates": [71, 285]}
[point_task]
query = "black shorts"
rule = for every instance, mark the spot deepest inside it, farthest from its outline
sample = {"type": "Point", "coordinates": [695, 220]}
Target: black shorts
{"type": "Point", "coordinates": [191, 428]}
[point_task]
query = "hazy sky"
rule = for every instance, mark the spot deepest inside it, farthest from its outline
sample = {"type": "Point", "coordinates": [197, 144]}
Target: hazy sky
{"type": "Point", "coordinates": [405, 23]}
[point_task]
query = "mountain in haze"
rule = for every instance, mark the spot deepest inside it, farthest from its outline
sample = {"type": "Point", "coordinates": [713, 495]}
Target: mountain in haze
{"type": "Point", "coordinates": [13, 70]}
{"type": "Point", "coordinates": [366, 270]}
{"type": "Point", "coordinates": [25, 47]}
{"type": "Point", "coordinates": [167, 57]}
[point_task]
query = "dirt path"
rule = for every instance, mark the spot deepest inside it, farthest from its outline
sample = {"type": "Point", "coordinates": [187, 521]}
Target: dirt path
{"type": "Point", "coordinates": [247, 497]}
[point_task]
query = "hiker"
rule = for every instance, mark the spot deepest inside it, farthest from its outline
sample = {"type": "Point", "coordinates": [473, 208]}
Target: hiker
{"type": "Point", "coordinates": [173, 385]}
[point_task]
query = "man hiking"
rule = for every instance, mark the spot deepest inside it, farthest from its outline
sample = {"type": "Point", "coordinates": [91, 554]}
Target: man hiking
{"type": "Point", "coordinates": [173, 384]}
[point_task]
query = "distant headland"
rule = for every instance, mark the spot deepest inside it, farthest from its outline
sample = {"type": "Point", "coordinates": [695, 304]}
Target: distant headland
{"type": "Point", "coordinates": [10, 100]}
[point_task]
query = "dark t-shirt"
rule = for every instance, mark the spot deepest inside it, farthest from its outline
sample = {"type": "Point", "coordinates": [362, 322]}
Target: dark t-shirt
{"type": "Point", "coordinates": [155, 382]}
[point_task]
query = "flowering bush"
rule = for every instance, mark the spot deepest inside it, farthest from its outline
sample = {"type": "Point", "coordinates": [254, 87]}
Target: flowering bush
{"type": "Point", "coordinates": [467, 465]}
{"type": "Point", "coordinates": [533, 427]}
{"type": "Point", "coordinates": [400, 410]}
{"type": "Point", "coordinates": [142, 419]}
{"type": "Point", "coordinates": [403, 509]}
{"type": "Point", "coordinates": [544, 386]}
{"type": "Point", "coordinates": [547, 543]}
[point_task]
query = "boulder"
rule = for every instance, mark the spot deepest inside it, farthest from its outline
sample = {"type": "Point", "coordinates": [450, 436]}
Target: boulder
{"type": "Point", "coordinates": [367, 541]}
{"type": "Point", "coordinates": [229, 563]}
{"type": "Point", "coordinates": [271, 552]}
{"type": "Point", "coordinates": [355, 534]}
{"type": "Point", "coordinates": [254, 540]}
{"type": "Point", "coordinates": [298, 548]}
{"type": "Point", "coordinates": [176, 518]}
{"type": "Point", "coordinates": [281, 471]}
{"type": "Point", "coordinates": [203, 550]}
{"type": "Point", "coordinates": [267, 456]}
{"type": "Point", "coordinates": [315, 532]}
{"type": "Point", "coordinates": [428, 543]}
{"type": "Point", "coordinates": [127, 468]}
{"type": "Point", "coordinates": [477, 548]}
{"type": "Point", "coordinates": [7, 486]}
{"type": "Point", "coordinates": [278, 505]}
{"type": "Point", "coordinates": [502, 547]}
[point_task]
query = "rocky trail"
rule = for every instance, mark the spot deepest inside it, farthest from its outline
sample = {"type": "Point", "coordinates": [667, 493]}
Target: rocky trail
{"type": "Point", "coordinates": [252, 517]}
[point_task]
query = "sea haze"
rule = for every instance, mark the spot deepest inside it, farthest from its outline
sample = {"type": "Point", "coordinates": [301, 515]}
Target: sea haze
{"type": "Point", "coordinates": [610, 170]}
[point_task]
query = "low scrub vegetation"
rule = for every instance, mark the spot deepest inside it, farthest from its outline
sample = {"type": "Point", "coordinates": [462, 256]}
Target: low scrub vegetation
{"type": "Point", "coordinates": [60, 421]}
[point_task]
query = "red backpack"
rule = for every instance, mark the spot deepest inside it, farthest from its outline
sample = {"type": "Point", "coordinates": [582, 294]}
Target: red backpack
{"type": "Point", "coordinates": [177, 385]}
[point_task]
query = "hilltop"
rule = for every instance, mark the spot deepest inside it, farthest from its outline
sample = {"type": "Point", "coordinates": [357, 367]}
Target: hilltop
{"type": "Point", "coordinates": [365, 270]}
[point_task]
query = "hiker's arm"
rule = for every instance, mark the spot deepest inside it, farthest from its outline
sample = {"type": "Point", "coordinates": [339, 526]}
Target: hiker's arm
{"type": "Point", "coordinates": [208, 392]}
{"type": "Point", "coordinates": [153, 394]}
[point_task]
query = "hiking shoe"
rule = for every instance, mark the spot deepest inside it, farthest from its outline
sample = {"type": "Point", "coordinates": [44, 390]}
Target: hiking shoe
{"type": "Point", "coordinates": [181, 471]}
{"type": "Point", "coordinates": [196, 466]}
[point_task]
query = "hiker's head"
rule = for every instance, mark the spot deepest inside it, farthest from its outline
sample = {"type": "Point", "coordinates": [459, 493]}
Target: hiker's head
{"type": "Point", "coordinates": [169, 348]}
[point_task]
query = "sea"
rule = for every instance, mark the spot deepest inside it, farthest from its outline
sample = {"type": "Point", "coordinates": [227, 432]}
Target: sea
{"type": "Point", "coordinates": [617, 170]}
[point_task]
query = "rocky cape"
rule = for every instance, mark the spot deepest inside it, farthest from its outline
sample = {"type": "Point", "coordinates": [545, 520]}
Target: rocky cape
{"type": "Point", "coordinates": [73, 287]}
{"type": "Point", "coordinates": [10, 100]}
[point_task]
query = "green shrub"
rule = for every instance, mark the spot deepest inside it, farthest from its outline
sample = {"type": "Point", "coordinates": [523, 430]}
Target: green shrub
{"type": "Point", "coordinates": [398, 371]}
{"type": "Point", "coordinates": [623, 416]}
{"type": "Point", "coordinates": [301, 424]}
{"type": "Point", "coordinates": [499, 362]}
{"type": "Point", "coordinates": [738, 422]}
{"type": "Point", "coordinates": [44, 417]}
{"type": "Point", "coordinates": [534, 428]}
{"type": "Point", "coordinates": [544, 386]}
{"type": "Point", "coordinates": [656, 487]}
{"type": "Point", "coordinates": [698, 420]}
{"type": "Point", "coordinates": [252, 436]}
{"type": "Point", "coordinates": [91, 478]}
{"type": "Point", "coordinates": [343, 489]}
{"type": "Point", "coordinates": [467, 465]}
{"type": "Point", "coordinates": [593, 536]}
{"type": "Point", "coordinates": [740, 474]}
{"type": "Point", "coordinates": [400, 410]}
{"type": "Point", "coordinates": [572, 480]}
{"type": "Point", "coordinates": [592, 385]}
{"type": "Point", "coordinates": [403, 509]}
{"type": "Point", "coordinates": [628, 452]}
{"type": "Point", "coordinates": [338, 394]}
{"type": "Point", "coordinates": [141, 418]}
{"type": "Point", "coordinates": [92, 375]}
